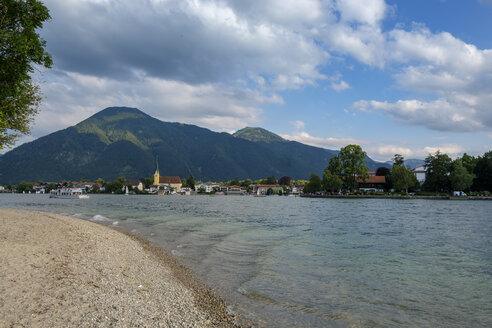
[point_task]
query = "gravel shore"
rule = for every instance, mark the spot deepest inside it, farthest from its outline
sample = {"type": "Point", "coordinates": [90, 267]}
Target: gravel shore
{"type": "Point", "coordinates": [57, 271]}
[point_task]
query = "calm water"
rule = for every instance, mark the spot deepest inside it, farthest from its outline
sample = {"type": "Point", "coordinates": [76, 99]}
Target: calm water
{"type": "Point", "coordinates": [296, 262]}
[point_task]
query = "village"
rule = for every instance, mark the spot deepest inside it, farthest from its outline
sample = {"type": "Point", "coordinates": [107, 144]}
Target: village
{"type": "Point", "coordinates": [174, 185]}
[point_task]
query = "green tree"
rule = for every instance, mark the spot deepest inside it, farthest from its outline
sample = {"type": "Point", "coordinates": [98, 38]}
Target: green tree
{"type": "Point", "coordinates": [354, 166]}
{"type": "Point", "coordinates": [483, 173]}
{"type": "Point", "coordinates": [271, 180]}
{"type": "Point", "coordinates": [386, 173]}
{"type": "Point", "coordinates": [269, 191]}
{"type": "Point", "coordinates": [331, 182]}
{"type": "Point", "coordinates": [469, 162]}
{"type": "Point", "coordinates": [246, 183]}
{"type": "Point", "coordinates": [190, 182]}
{"type": "Point", "coordinates": [314, 184]}
{"type": "Point", "coordinates": [147, 182]}
{"type": "Point", "coordinates": [460, 178]}
{"type": "Point", "coordinates": [21, 49]}
{"type": "Point", "coordinates": [437, 167]}
{"type": "Point", "coordinates": [401, 177]}
{"type": "Point", "coordinates": [24, 186]}
{"type": "Point", "coordinates": [398, 160]}
{"type": "Point", "coordinates": [51, 186]}
{"type": "Point", "coordinates": [335, 166]}
{"type": "Point", "coordinates": [284, 181]}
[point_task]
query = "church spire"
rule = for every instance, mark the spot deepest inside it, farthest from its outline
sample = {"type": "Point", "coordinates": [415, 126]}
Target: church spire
{"type": "Point", "coordinates": [156, 174]}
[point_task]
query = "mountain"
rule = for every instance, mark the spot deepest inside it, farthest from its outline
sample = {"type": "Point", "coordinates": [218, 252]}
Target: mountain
{"type": "Point", "coordinates": [122, 141]}
{"type": "Point", "coordinates": [303, 157]}
{"type": "Point", "coordinates": [258, 135]}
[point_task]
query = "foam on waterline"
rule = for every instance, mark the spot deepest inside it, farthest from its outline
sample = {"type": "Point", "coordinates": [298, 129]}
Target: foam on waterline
{"type": "Point", "coordinates": [115, 223]}
{"type": "Point", "coordinates": [99, 218]}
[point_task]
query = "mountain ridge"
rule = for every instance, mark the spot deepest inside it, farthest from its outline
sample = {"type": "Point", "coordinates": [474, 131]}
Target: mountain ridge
{"type": "Point", "coordinates": [124, 141]}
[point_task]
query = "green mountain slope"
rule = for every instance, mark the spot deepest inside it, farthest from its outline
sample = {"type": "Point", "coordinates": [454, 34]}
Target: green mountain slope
{"type": "Point", "coordinates": [121, 141]}
{"type": "Point", "coordinates": [258, 135]}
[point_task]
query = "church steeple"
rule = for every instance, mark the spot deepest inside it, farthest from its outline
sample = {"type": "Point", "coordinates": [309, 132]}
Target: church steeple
{"type": "Point", "coordinates": [156, 174]}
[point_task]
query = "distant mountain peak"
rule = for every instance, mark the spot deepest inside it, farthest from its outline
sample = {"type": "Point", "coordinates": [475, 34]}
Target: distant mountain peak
{"type": "Point", "coordinates": [258, 135]}
{"type": "Point", "coordinates": [120, 109]}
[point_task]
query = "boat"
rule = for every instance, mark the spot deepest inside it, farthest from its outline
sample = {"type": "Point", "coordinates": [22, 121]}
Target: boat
{"type": "Point", "coordinates": [69, 193]}
{"type": "Point", "coordinates": [126, 191]}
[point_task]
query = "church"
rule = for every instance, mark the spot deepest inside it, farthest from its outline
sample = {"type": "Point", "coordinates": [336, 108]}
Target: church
{"type": "Point", "coordinates": [173, 182]}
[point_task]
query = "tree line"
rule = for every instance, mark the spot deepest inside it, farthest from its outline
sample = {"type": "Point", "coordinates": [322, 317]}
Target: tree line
{"type": "Point", "coordinates": [348, 168]}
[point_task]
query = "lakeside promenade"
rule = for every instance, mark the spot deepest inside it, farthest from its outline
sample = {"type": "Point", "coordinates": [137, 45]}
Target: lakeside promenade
{"type": "Point", "coordinates": [58, 271]}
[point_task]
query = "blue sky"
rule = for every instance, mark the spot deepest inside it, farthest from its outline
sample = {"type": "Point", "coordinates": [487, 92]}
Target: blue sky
{"type": "Point", "coordinates": [406, 77]}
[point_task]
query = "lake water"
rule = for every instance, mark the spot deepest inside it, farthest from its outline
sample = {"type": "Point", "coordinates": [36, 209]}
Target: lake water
{"type": "Point", "coordinates": [300, 262]}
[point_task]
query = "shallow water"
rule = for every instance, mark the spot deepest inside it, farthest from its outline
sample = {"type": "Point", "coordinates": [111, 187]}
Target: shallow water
{"type": "Point", "coordinates": [298, 262]}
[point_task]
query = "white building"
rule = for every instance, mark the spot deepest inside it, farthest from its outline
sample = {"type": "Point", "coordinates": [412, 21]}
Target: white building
{"type": "Point", "coordinates": [208, 187]}
{"type": "Point", "coordinates": [419, 174]}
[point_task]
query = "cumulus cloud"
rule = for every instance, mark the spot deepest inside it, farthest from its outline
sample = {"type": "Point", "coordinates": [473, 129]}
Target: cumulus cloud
{"type": "Point", "coordinates": [456, 74]}
{"type": "Point", "coordinates": [329, 143]}
{"type": "Point", "coordinates": [216, 63]}
{"type": "Point", "coordinates": [215, 106]}
{"type": "Point", "coordinates": [299, 125]}
{"type": "Point", "coordinates": [440, 114]}
{"type": "Point", "coordinates": [191, 41]}
{"type": "Point", "coordinates": [386, 152]}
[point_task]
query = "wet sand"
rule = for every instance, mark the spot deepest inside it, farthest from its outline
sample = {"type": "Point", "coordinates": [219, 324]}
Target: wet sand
{"type": "Point", "coordinates": [58, 271]}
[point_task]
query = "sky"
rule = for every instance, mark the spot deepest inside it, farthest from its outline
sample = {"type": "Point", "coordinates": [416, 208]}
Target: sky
{"type": "Point", "coordinates": [407, 77]}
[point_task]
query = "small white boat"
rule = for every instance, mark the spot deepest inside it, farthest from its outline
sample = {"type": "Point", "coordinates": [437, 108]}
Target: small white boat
{"type": "Point", "coordinates": [69, 193]}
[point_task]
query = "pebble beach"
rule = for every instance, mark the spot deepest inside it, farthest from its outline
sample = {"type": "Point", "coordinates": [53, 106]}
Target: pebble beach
{"type": "Point", "coordinates": [58, 271]}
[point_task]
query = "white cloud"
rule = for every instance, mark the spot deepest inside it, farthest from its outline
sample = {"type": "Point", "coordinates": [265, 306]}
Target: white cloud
{"type": "Point", "coordinates": [329, 143]}
{"type": "Point", "coordinates": [340, 86]}
{"type": "Point", "coordinates": [299, 125]}
{"type": "Point", "coordinates": [214, 106]}
{"type": "Point", "coordinates": [386, 152]}
{"type": "Point", "coordinates": [194, 41]}
{"type": "Point", "coordinates": [440, 114]}
{"type": "Point", "coordinates": [182, 60]}
{"type": "Point", "coordinates": [370, 12]}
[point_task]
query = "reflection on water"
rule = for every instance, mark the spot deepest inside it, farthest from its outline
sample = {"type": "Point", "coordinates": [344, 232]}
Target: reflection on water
{"type": "Point", "coordinates": [296, 262]}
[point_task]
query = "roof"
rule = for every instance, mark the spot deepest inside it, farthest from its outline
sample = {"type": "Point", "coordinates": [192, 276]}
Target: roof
{"type": "Point", "coordinates": [373, 179]}
{"type": "Point", "coordinates": [167, 180]}
{"type": "Point", "coordinates": [266, 186]}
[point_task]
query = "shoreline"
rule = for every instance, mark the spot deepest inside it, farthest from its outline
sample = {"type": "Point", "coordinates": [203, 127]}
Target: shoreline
{"type": "Point", "coordinates": [400, 197]}
{"type": "Point", "coordinates": [59, 271]}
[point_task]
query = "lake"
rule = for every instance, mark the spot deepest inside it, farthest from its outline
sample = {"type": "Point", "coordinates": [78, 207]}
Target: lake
{"type": "Point", "coordinates": [301, 262]}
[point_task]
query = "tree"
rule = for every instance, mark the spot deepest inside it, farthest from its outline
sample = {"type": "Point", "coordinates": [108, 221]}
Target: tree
{"type": "Point", "coordinates": [314, 184]}
{"type": "Point", "coordinates": [21, 49]}
{"type": "Point", "coordinates": [437, 169]}
{"type": "Point", "coordinates": [246, 183]}
{"type": "Point", "coordinates": [147, 182]}
{"type": "Point", "coordinates": [382, 171]}
{"type": "Point", "coordinates": [284, 181]}
{"type": "Point", "coordinates": [269, 191]}
{"type": "Point", "coordinates": [271, 180]}
{"type": "Point", "coordinates": [335, 166]}
{"type": "Point", "coordinates": [24, 186]}
{"type": "Point", "coordinates": [331, 182]}
{"type": "Point", "coordinates": [483, 172]}
{"type": "Point", "coordinates": [352, 158]}
{"type": "Point", "coordinates": [398, 160]}
{"type": "Point", "coordinates": [385, 172]}
{"type": "Point", "coordinates": [401, 177]}
{"type": "Point", "coordinates": [460, 178]}
{"type": "Point", "coordinates": [190, 182]}
{"type": "Point", "coordinates": [469, 162]}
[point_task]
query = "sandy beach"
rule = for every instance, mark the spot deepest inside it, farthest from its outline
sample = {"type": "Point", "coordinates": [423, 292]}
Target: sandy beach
{"type": "Point", "coordinates": [58, 271]}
